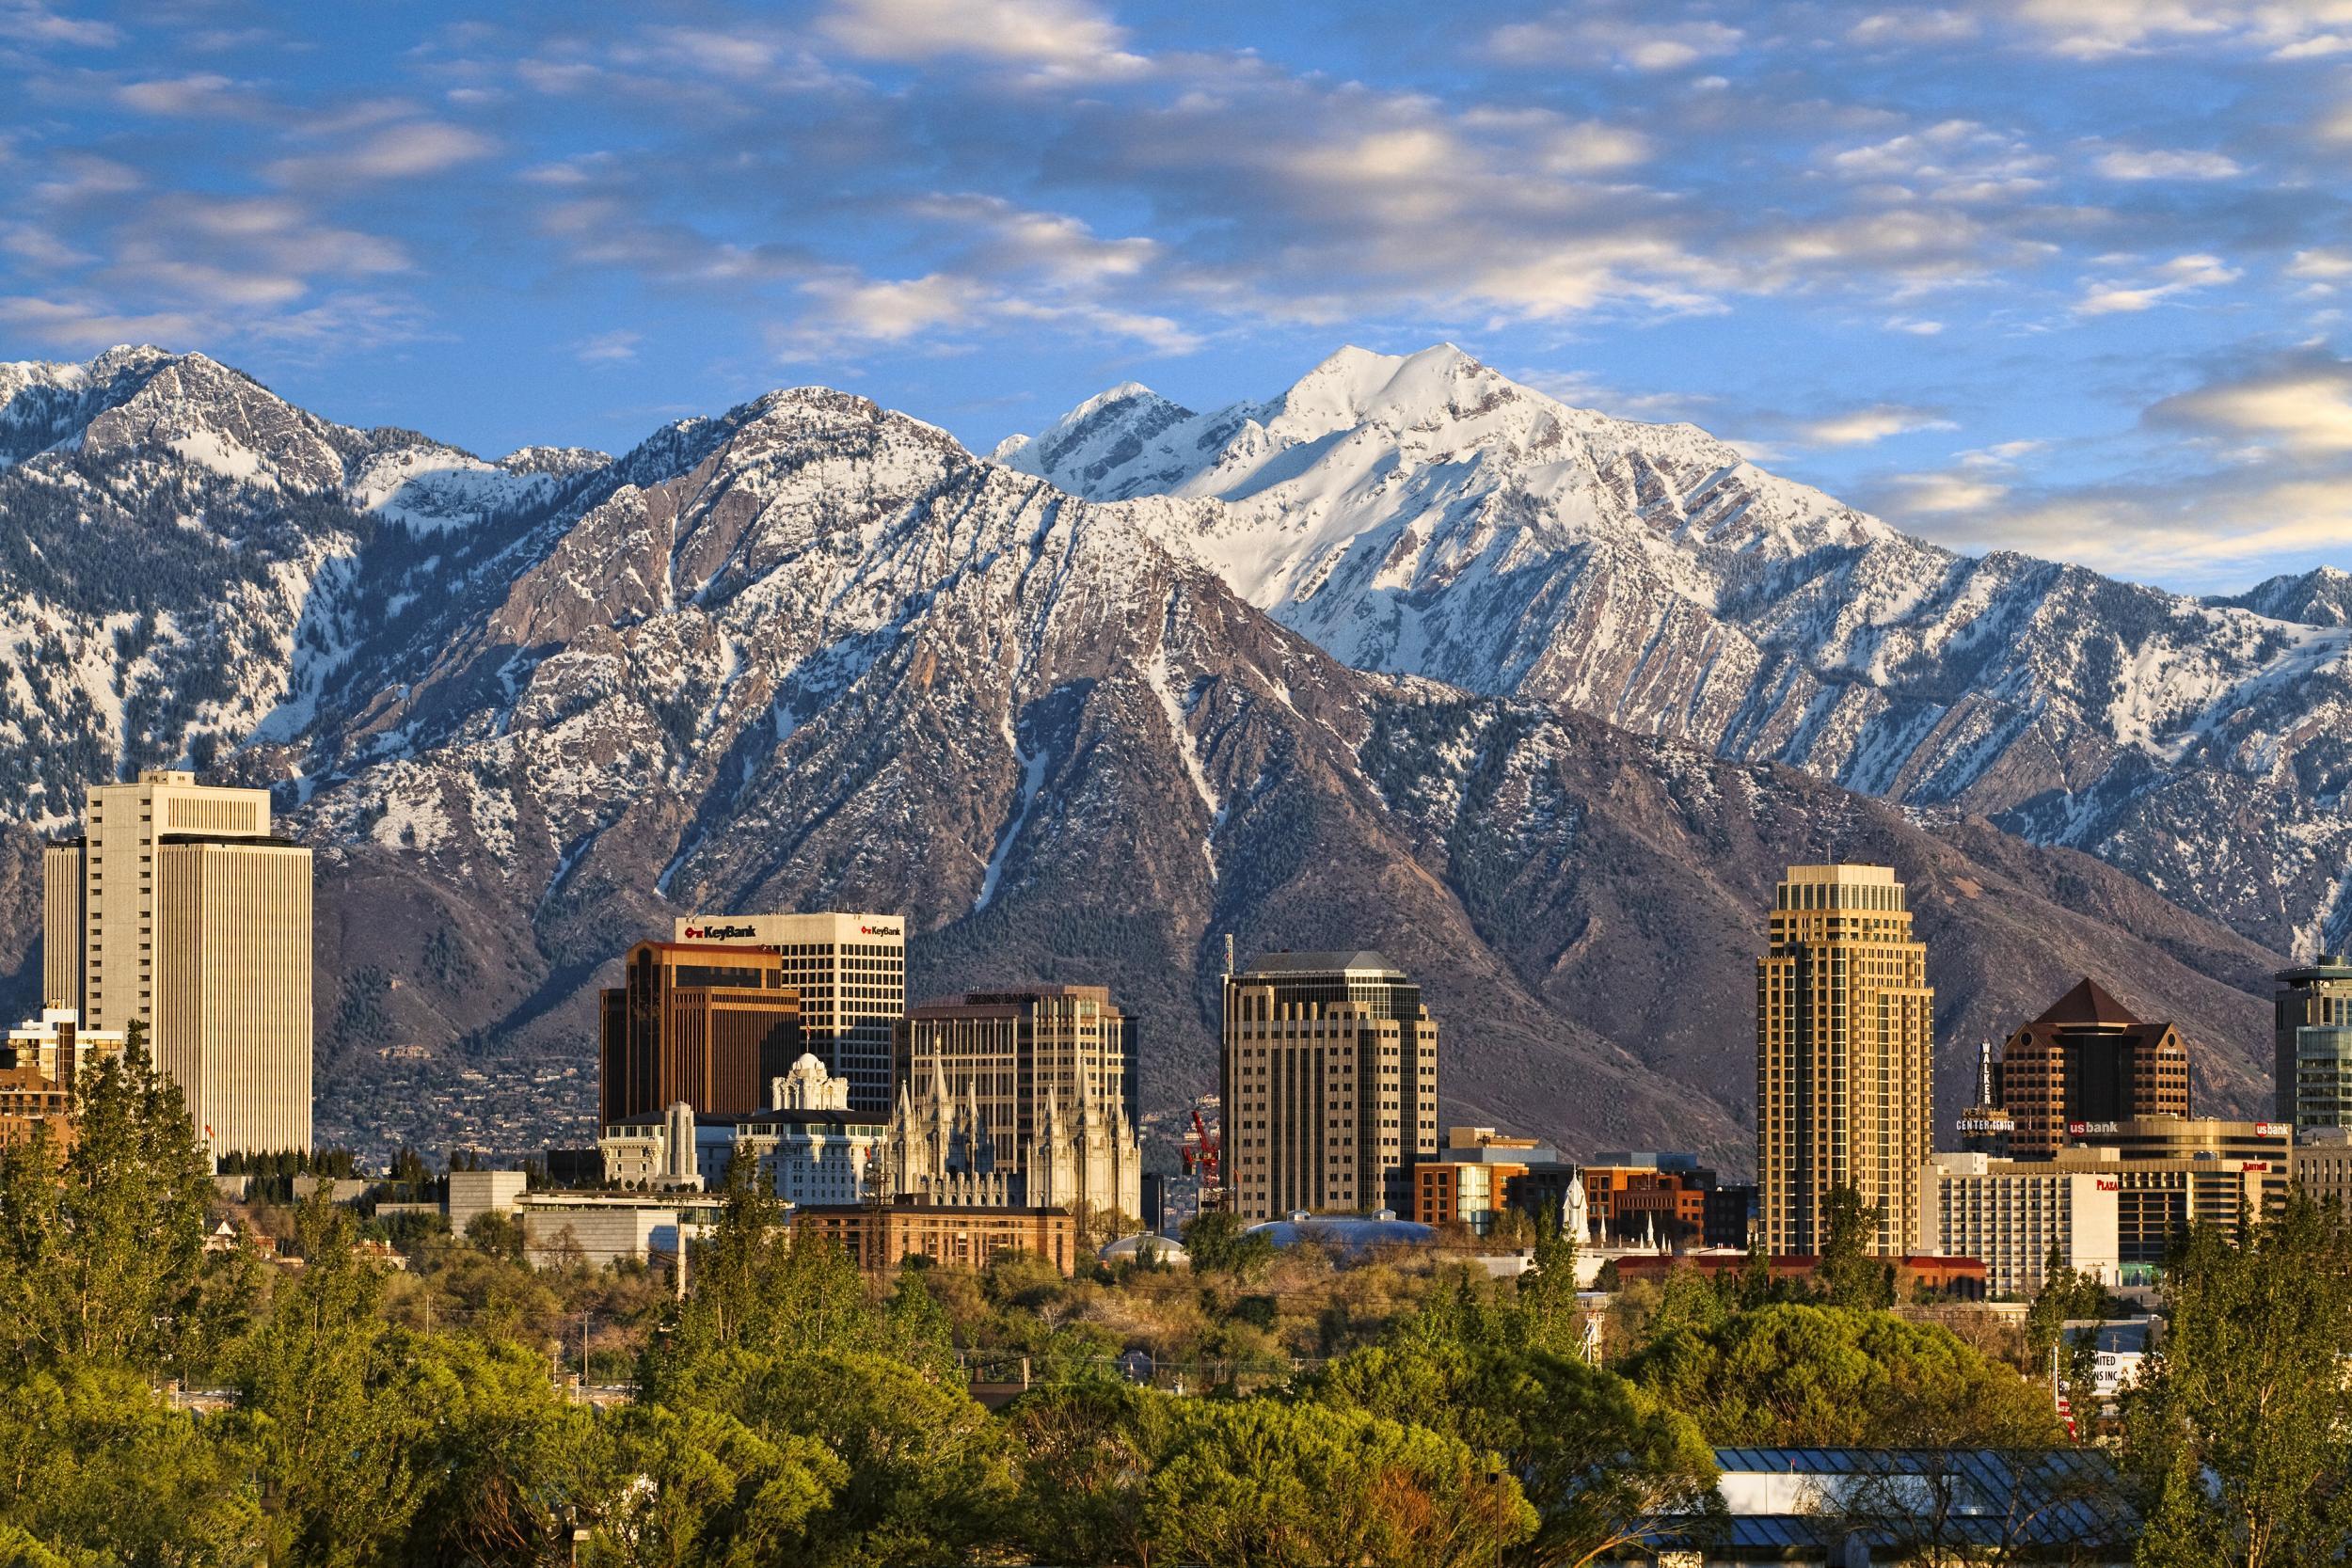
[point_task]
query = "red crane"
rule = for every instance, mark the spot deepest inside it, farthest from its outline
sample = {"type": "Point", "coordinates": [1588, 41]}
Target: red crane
{"type": "Point", "coordinates": [1202, 1158]}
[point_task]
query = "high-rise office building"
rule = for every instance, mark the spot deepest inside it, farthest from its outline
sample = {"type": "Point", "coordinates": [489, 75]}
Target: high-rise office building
{"type": "Point", "coordinates": [709, 1025]}
{"type": "Point", "coordinates": [1034, 1088]}
{"type": "Point", "coordinates": [1329, 1075]}
{"type": "Point", "coordinates": [2087, 1061]}
{"type": "Point", "coordinates": [178, 910]}
{"type": "Point", "coordinates": [851, 971]}
{"type": "Point", "coordinates": [2312, 1043]}
{"type": "Point", "coordinates": [1844, 1053]}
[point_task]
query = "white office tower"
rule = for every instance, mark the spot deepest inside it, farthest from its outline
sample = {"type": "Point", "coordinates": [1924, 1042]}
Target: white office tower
{"type": "Point", "coordinates": [178, 910]}
{"type": "Point", "coordinates": [851, 971]}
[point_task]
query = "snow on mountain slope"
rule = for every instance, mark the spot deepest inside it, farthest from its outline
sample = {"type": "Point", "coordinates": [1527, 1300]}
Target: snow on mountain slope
{"type": "Point", "coordinates": [1424, 514]}
{"type": "Point", "coordinates": [811, 653]}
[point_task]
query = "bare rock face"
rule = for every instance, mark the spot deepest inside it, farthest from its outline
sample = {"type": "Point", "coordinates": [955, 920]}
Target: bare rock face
{"type": "Point", "coordinates": [814, 654]}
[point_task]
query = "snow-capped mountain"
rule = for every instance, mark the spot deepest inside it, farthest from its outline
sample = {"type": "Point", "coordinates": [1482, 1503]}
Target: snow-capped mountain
{"type": "Point", "coordinates": [1425, 514]}
{"type": "Point", "coordinates": [812, 653]}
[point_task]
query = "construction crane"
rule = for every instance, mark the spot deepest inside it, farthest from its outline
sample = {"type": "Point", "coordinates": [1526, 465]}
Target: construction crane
{"type": "Point", "coordinates": [1202, 1158]}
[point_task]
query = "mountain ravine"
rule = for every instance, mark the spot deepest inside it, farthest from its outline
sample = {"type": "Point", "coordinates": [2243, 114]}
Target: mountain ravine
{"type": "Point", "coordinates": [813, 653]}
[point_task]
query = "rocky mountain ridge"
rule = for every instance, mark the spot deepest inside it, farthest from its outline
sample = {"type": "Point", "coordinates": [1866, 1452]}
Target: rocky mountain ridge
{"type": "Point", "coordinates": [812, 653]}
{"type": "Point", "coordinates": [1424, 514]}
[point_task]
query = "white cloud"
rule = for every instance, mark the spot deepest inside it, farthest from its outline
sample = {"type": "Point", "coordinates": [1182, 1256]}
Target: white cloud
{"type": "Point", "coordinates": [2126, 164]}
{"type": "Point", "coordinates": [2179, 276]}
{"type": "Point", "coordinates": [2303, 404]}
{"type": "Point", "coordinates": [2097, 29]}
{"type": "Point", "coordinates": [609, 348]}
{"type": "Point", "coordinates": [1915, 326]}
{"type": "Point", "coordinates": [1862, 426]}
{"type": "Point", "coordinates": [1058, 38]}
{"type": "Point", "coordinates": [85, 324]}
{"type": "Point", "coordinates": [2321, 266]}
{"type": "Point", "coordinates": [1923, 25]}
{"type": "Point", "coordinates": [29, 21]}
{"type": "Point", "coordinates": [1940, 493]}
{"type": "Point", "coordinates": [1567, 39]}
{"type": "Point", "coordinates": [205, 94]}
{"type": "Point", "coordinates": [402, 151]}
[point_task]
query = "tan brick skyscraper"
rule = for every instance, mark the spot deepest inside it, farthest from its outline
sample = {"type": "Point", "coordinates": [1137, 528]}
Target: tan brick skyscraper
{"type": "Point", "coordinates": [1844, 1055]}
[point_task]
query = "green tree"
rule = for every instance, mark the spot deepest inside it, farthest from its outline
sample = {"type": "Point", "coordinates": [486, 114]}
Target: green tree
{"type": "Point", "coordinates": [1219, 1241]}
{"type": "Point", "coordinates": [101, 1251]}
{"type": "Point", "coordinates": [1848, 1274]}
{"type": "Point", "coordinates": [927, 1475]}
{"type": "Point", "coordinates": [1601, 1462]}
{"type": "Point", "coordinates": [1827, 1376]}
{"type": "Point", "coordinates": [91, 1461]}
{"type": "Point", "coordinates": [1252, 1481]}
{"type": "Point", "coordinates": [2235, 1434]}
{"type": "Point", "coordinates": [1550, 1315]}
{"type": "Point", "coordinates": [1087, 1455]}
{"type": "Point", "coordinates": [337, 1454]}
{"type": "Point", "coordinates": [698, 1488]}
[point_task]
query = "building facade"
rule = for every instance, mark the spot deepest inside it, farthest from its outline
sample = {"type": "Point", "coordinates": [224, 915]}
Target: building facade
{"type": "Point", "coordinates": [804, 1156]}
{"type": "Point", "coordinates": [2172, 1170]}
{"type": "Point", "coordinates": [710, 1024]}
{"type": "Point", "coordinates": [2087, 1059]}
{"type": "Point", "coordinates": [1329, 1084]}
{"type": "Point", "coordinates": [1470, 1180]}
{"type": "Point", "coordinates": [1845, 1033]}
{"type": "Point", "coordinates": [941, 1149]}
{"type": "Point", "coordinates": [176, 911]}
{"type": "Point", "coordinates": [2312, 1043]}
{"type": "Point", "coordinates": [2014, 1214]}
{"type": "Point", "coordinates": [879, 1236]}
{"type": "Point", "coordinates": [851, 972]}
{"type": "Point", "coordinates": [1046, 1076]}
{"type": "Point", "coordinates": [1637, 1195]}
{"type": "Point", "coordinates": [40, 1072]}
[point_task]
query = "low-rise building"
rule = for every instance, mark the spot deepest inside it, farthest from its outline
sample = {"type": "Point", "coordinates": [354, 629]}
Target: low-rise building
{"type": "Point", "coordinates": [1470, 1180]}
{"type": "Point", "coordinates": [1963, 1278]}
{"type": "Point", "coordinates": [40, 1066]}
{"type": "Point", "coordinates": [805, 1155]}
{"type": "Point", "coordinates": [879, 1236]}
{"type": "Point", "coordinates": [2322, 1160]}
{"type": "Point", "coordinates": [1637, 1195]}
{"type": "Point", "coordinates": [2016, 1214]}
{"type": "Point", "coordinates": [561, 1230]}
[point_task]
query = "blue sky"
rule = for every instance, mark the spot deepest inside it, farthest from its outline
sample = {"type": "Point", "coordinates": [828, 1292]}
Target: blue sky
{"type": "Point", "coordinates": [2063, 275]}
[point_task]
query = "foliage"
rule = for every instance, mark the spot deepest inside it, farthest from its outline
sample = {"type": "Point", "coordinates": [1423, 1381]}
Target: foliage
{"type": "Point", "coordinates": [2233, 1436]}
{"type": "Point", "coordinates": [1599, 1461]}
{"type": "Point", "coordinates": [104, 1264]}
{"type": "Point", "coordinates": [1829, 1376]}
{"type": "Point", "coordinates": [1847, 1273]}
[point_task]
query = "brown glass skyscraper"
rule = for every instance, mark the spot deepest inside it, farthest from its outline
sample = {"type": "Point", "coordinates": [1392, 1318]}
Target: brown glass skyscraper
{"type": "Point", "coordinates": [703, 1022]}
{"type": "Point", "coordinates": [2087, 1062]}
{"type": "Point", "coordinates": [1331, 1085]}
{"type": "Point", "coordinates": [1843, 1048]}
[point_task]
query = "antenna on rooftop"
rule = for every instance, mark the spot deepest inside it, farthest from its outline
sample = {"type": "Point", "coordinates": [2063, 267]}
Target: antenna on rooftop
{"type": "Point", "coordinates": [1228, 955]}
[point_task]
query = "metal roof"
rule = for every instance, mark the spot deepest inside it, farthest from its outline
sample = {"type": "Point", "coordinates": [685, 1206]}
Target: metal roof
{"type": "Point", "coordinates": [1322, 964]}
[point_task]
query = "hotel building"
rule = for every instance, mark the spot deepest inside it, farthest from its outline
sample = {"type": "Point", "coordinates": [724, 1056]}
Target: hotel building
{"type": "Point", "coordinates": [1845, 1026]}
{"type": "Point", "coordinates": [178, 911]}
{"type": "Point", "coordinates": [851, 972]}
{"type": "Point", "coordinates": [1329, 1078]}
{"type": "Point", "coordinates": [2012, 1213]}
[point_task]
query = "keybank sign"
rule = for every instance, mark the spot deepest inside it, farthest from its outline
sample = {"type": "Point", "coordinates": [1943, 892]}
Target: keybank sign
{"type": "Point", "coordinates": [718, 933]}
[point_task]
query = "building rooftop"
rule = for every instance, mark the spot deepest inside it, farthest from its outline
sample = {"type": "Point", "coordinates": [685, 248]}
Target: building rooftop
{"type": "Point", "coordinates": [1362, 959]}
{"type": "Point", "coordinates": [2088, 1002]}
{"type": "Point", "coordinates": [2328, 966]}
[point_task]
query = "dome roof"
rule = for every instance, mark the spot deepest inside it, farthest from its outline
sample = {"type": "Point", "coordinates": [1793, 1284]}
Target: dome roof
{"type": "Point", "coordinates": [1163, 1250]}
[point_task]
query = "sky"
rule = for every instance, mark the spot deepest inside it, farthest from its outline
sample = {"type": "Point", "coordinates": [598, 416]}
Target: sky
{"type": "Point", "coordinates": [2066, 277]}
